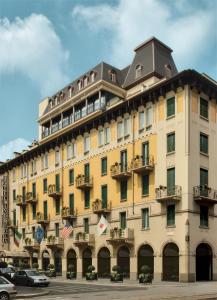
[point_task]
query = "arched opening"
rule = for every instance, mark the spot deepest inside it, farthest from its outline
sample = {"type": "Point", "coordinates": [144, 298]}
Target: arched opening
{"type": "Point", "coordinates": [34, 257]}
{"type": "Point", "coordinates": [104, 263]}
{"type": "Point", "coordinates": [145, 258]}
{"type": "Point", "coordinates": [45, 260]}
{"type": "Point", "coordinates": [72, 260]}
{"type": "Point", "coordinates": [171, 262]}
{"type": "Point", "coordinates": [123, 260]}
{"type": "Point", "coordinates": [204, 264]}
{"type": "Point", "coordinates": [86, 260]}
{"type": "Point", "coordinates": [58, 262]}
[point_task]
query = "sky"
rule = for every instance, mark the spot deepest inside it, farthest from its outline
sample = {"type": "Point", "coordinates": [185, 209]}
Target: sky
{"type": "Point", "coordinates": [46, 44]}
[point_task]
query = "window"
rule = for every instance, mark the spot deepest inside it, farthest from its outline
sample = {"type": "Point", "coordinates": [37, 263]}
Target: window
{"type": "Point", "coordinates": [79, 85]}
{"type": "Point", "coordinates": [46, 161]}
{"type": "Point", "coordinates": [170, 107]}
{"type": "Point", "coordinates": [171, 215]}
{"type": "Point", "coordinates": [123, 158]}
{"type": "Point", "coordinates": [113, 76]}
{"type": "Point", "coordinates": [14, 195]}
{"type": "Point", "coordinates": [33, 211]}
{"type": "Point", "coordinates": [57, 230]}
{"type": "Point", "coordinates": [71, 176]}
{"type": "Point", "coordinates": [204, 108]}
{"type": "Point", "coordinates": [204, 216]}
{"type": "Point", "coordinates": [92, 76]}
{"type": "Point", "coordinates": [71, 150]}
{"type": "Point", "coordinates": [145, 153]}
{"type": "Point", "coordinates": [100, 137]}
{"type": "Point", "coordinates": [14, 174]}
{"type": "Point", "coordinates": [57, 206]}
{"type": "Point", "coordinates": [145, 218]}
{"type": "Point", "coordinates": [145, 184]}
{"type": "Point", "coordinates": [23, 233]}
{"type": "Point", "coordinates": [71, 204]}
{"type": "Point", "coordinates": [87, 199]}
{"type": "Point", "coordinates": [45, 185]}
{"type": "Point", "coordinates": [57, 182]}
{"type": "Point", "coordinates": [126, 127]}
{"type": "Point", "coordinates": [23, 171]}
{"type": "Point", "coordinates": [123, 220]}
{"type": "Point", "coordinates": [123, 187]}
{"type": "Point", "coordinates": [107, 135]}
{"type": "Point", "coordinates": [204, 182]}
{"type": "Point", "coordinates": [171, 181]}
{"type": "Point", "coordinates": [87, 170]}
{"type": "Point", "coordinates": [104, 195]}
{"type": "Point", "coordinates": [24, 193]}
{"type": "Point", "coordinates": [141, 120]}
{"type": "Point", "coordinates": [86, 144]}
{"type": "Point", "coordinates": [57, 157]}
{"type": "Point", "coordinates": [33, 168]}
{"type": "Point", "coordinates": [33, 232]}
{"type": "Point", "coordinates": [149, 116]}
{"type": "Point", "coordinates": [86, 225]}
{"type": "Point", "coordinates": [24, 213]}
{"type": "Point", "coordinates": [103, 166]}
{"type": "Point", "coordinates": [171, 142]}
{"type": "Point", "coordinates": [45, 210]}
{"type": "Point", "coordinates": [34, 190]}
{"type": "Point", "coordinates": [203, 143]}
{"type": "Point", "coordinates": [120, 130]}
{"type": "Point", "coordinates": [85, 81]}
{"type": "Point", "coordinates": [138, 71]}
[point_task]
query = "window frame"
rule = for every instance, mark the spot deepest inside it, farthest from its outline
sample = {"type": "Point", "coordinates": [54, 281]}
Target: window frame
{"type": "Point", "coordinates": [145, 223]}
{"type": "Point", "coordinates": [171, 115]}
{"type": "Point", "coordinates": [171, 222]}
{"type": "Point", "coordinates": [173, 143]}
{"type": "Point", "coordinates": [203, 135]}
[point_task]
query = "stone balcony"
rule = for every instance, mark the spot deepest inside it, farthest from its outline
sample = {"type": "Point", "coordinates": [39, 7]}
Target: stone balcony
{"type": "Point", "coordinates": [31, 198]}
{"type": "Point", "coordinates": [82, 239]}
{"type": "Point", "coordinates": [68, 214]}
{"type": "Point", "coordinates": [54, 191]}
{"type": "Point", "coordinates": [203, 194]}
{"type": "Point", "coordinates": [120, 236]}
{"type": "Point", "coordinates": [53, 242]}
{"type": "Point", "coordinates": [42, 219]}
{"type": "Point", "coordinates": [30, 244]}
{"type": "Point", "coordinates": [165, 194]}
{"type": "Point", "coordinates": [84, 182]}
{"type": "Point", "coordinates": [142, 165]}
{"type": "Point", "coordinates": [101, 208]}
{"type": "Point", "coordinates": [20, 200]}
{"type": "Point", "coordinates": [120, 171]}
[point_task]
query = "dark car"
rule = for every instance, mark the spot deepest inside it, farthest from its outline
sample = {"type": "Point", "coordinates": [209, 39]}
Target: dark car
{"type": "Point", "coordinates": [8, 273]}
{"type": "Point", "coordinates": [30, 277]}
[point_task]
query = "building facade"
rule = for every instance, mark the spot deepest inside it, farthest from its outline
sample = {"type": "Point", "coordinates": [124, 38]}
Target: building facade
{"type": "Point", "coordinates": [136, 145]}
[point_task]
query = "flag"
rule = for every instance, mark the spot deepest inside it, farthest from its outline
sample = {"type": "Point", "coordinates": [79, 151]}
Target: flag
{"type": "Point", "coordinates": [39, 234]}
{"type": "Point", "coordinates": [102, 225]}
{"type": "Point", "coordinates": [17, 237]}
{"type": "Point", "coordinates": [66, 231]}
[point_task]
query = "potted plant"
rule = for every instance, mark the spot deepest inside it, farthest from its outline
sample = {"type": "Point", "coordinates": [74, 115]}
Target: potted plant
{"type": "Point", "coordinates": [91, 275]}
{"type": "Point", "coordinates": [71, 274]}
{"type": "Point", "coordinates": [116, 274]}
{"type": "Point", "coordinates": [145, 276]}
{"type": "Point", "coordinates": [35, 266]}
{"type": "Point", "coordinates": [51, 271]}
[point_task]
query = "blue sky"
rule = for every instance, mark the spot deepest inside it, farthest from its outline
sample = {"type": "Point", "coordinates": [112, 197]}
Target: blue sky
{"type": "Point", "coordinates": [45, 44]}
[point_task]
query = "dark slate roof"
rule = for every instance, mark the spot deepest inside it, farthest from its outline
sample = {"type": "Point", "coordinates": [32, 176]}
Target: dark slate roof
{"type": "Point", "coordinates": [152, 55]}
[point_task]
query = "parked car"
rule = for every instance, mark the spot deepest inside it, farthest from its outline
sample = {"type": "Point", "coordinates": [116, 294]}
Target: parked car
{"type": "Point", "coordinates": [8, 273]}
{"type": "Point", "coordinates": [30, 277]}
{"type": "Point", "coordinates": [7, 289]}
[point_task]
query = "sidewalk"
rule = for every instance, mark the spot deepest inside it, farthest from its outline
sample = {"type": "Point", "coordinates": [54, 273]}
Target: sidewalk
{"type": "Point", "coordinates": [28, 292]}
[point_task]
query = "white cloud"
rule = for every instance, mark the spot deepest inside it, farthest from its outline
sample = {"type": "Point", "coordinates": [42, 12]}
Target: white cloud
{"type": "Point", "coordinates": [17, 145]}
{"type": "Point", "coordinates": [32, 47]}
{"type": "Point", "coordinates": [188, 29]}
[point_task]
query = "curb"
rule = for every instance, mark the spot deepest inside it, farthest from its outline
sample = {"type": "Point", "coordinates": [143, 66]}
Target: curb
{"type": "Point", "coordinates": [22, 296]}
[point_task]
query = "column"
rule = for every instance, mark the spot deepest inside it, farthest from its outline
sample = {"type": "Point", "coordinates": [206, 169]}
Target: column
{"type": "Point", "coordinates": [158, 261]}
{"type": "Point", "coordinates": [79, 268]}
{"type": "Point", "coordinates": [64, 266]}
{"type": "Point", "coordinates": [133, 267]}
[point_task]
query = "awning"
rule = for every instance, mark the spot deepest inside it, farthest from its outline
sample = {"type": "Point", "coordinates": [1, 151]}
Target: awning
{"type": "Point", "coordinates": [13, 254]}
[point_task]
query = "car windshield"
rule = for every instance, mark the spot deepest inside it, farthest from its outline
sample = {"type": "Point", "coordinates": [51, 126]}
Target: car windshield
{"type": "Point", "coordinates": [33, 273]}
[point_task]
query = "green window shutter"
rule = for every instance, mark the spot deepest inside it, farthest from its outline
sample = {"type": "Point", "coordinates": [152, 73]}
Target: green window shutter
{"type": "Point", "coordinates": [87, 170]}
{"type": "Point", "coordinates": [34, 190]}
{"type": "Point", "coordinates": [203, 177]}
{"type": "Point", "coordinates": [171, 107]}
{"type": "Point", "coordinates": [170, 215]}
{"type": "Point", "coordinates": [45, 210]}
{"type": "Point", "coordinates": [86, 225]}
{"type": "Point", "coordinates": [123, 187]}
{"type": "Point", "coordinates": [57, 230]}
{"type": "Point", "coordinates": [203, 143]}
{"type": "Point", "coordinates": [24, 193]}
{"type": "Point", "coordinates": [14, 217]}
{"type": "Point", "coordinates": [57, 204]}
{"type": "Point", "coordinates": [45, 185]}
{"type": "Point", "coordinates": [104, 196]}
{"type": "Point", "coordinates": [57, 182]}
{"type": "Point", "coordinates": [71, 176]}
{"type": "Point", "coordinates": [170, 142]}
{"type": "Point", "coordinates": [204, 108]}
{"type": "Point", "coordinates": [145, 184]}
{"type": "Point", "coordinates": [87, 199]}
{"type": "Point", "coordinates": [204, 215]}
{"type": "Point", "coordinates": [33, 211]}
{"type": "Point", "coordinates": [24, 213]}
{"type": "Point", "coordinates": [123, 161]}
{"type": "Point", "coordinates": [171, 181]}
{"type": "Point", "coordinates": [145, 218]}
{"type": "Point", "coordinates": [104, 166]}
{"type": "Point", "coordinates": [123, 220]}
{"type": "Point", "coordinates": [71, 203]}
{"type": "Point", "coordinates": [145, 153]}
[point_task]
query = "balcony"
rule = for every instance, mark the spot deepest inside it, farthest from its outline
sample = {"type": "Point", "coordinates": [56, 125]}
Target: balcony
{"type": "Point", "coordinates": [204, 195]}
{"type": "Point", "coordinates": [120, 171]}
{"type": "Point", "coordinates": [120, 236]}
{"type": "Point", "coordinates": [142, 165]}
{"type": "Point", "coordinates": [12, 224]}
{"type": "Point", "coordinates": [30, 244]}
{"type": "Point", "coordinates": [68, 214]}
{"type": "Point", "coordinates": [20, 200]}
{"type": "Point", "coordinates": [31, 198]}
{"type": "Point", "coordinates": [84, 182]}
{"type": "Point", "coordinates": [42, 219]}
{"type": "Point", "coordinates": [163, 194]}
{"type": "Point", "coordinates": [54, 191]}
{"type": "Point", "coordinates": [101, 208]}
{"type": "Point", "coordinates": [53, 242]}
{"type": "Point", "coordinates": [83, 239]}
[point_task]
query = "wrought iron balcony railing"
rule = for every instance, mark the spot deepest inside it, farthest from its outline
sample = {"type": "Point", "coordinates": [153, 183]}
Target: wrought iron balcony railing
{"type": "Point", "coordinates": [101, 207]}
{"type": "Point", "coordinates": [84, 182]}
{"type": "Point", "coordinates": [68, 213]}
{"type": "Point", "coordinates": [142, 165]}
{"type": "Point", "coordinates": [204, 194]}
{"type": "Point", "coordinates": [119, 235]}
{"type": "Point", "coordinates": [164, 193]}
{"type": "Point", "coordinates": [54, 191]}
{"type": "Point", "coordinates": [120, 171]}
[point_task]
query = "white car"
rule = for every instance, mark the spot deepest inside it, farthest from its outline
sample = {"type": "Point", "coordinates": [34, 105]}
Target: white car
{"type": "Point", "coordinates": [7, 289]}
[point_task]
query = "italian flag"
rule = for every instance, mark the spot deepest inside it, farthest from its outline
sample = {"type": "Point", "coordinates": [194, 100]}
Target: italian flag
{"type": "Point", "coordinates": [17, 237]}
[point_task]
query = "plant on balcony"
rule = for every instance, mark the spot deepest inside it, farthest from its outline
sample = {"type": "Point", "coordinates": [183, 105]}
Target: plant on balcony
{"type": "Point", "coordinates": [35, 266]}
{"type": "Point", "coordinates": [116, 274]}
{"type": "Point", "coordinates": [145, 276]}
{"type": "Point", "coordinates": [28, 241]}
{"type": "Point", "coordinates": [51, 238]}
{"type": "Point", "coordinates": [91, 275]}
{"type": "Point", "coordinates": [71, 274]}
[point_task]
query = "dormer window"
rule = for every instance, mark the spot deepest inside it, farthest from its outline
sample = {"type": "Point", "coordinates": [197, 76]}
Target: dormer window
{"type": "Point", "coordinates": [79, 85]}
{"type": "Point", "coordinates": [138, 71]}
{"type": "Point", "coordinates": [92, 76]}
{"type": "Point", "coordinates": [168, 70]}
{"type": "Point", "coordinates": [61, 97]}
{"type": "Point", "coordinates": [112, 75]}
{"type": "Point", "coordinates": [85, 81]}
{"type": "Point", "coordinates": [70, 91]}
{"type": "Point", "coordinates": [50, 103]}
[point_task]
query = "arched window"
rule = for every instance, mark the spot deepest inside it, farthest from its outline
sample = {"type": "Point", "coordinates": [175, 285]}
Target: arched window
{"type": "Point", "coordinates": [138, 71]}
{"type": "Point", "coordinates": [85, 81]}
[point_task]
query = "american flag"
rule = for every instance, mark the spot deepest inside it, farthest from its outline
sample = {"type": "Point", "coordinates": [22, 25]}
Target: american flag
{"type": "Point", "coordinates": [66, 231]}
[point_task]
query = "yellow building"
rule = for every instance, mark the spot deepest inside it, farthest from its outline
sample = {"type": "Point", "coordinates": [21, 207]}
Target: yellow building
{"type": "Point", "coordinates": [135, 145]}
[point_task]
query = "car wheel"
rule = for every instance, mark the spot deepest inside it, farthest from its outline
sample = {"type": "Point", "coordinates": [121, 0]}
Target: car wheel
{"type": "Point", "coordinates": [4, 296]}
